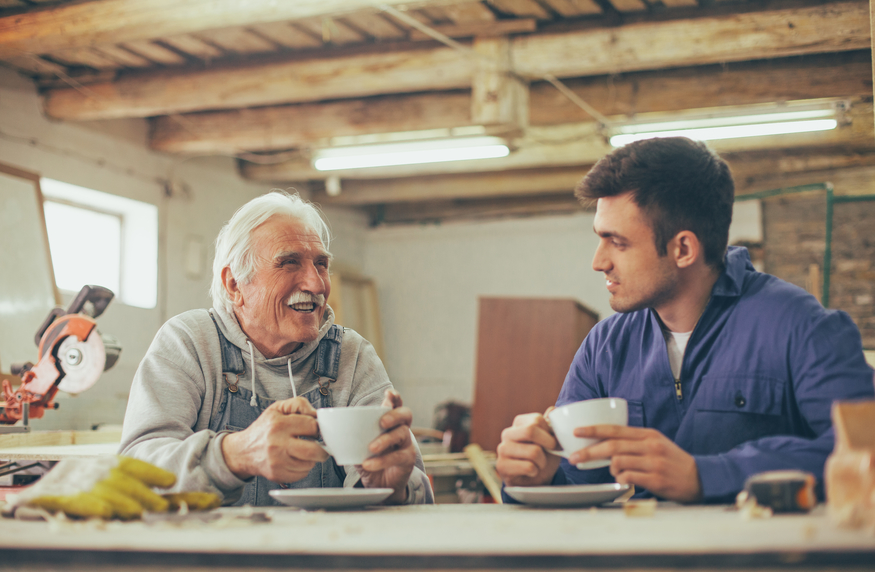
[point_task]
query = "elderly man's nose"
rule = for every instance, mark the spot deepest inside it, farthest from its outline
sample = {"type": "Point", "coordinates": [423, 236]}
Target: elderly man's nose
{"type": "Point", "coordinates": [312, 280]}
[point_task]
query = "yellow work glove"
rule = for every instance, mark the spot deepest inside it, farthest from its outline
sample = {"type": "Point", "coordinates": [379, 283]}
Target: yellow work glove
{"type": "Point", "coordinates": [102, 487]}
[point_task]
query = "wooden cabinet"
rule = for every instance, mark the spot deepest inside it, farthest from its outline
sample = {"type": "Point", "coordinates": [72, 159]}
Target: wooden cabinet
{"type": "Point", "coordinates": [524, 349]}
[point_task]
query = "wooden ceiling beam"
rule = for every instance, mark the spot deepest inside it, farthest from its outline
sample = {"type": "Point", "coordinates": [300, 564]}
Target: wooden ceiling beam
{"type": "Point", "coordinates": [571, 145]}
{"type": "Point", "coordinates": [851, 173]}
{"type": "Point", "coordinates": [752, 171]}
{"type": "Point", "coordinates": [847, 74]}
{"type": "Point", "coordinates": [832, 27]}
{"type": "Point", "coordinates": [87, 24]}
{"type": "Point", "coordinates": [495, 184]}
{"type": "Point", "coordinates": [437, 211]}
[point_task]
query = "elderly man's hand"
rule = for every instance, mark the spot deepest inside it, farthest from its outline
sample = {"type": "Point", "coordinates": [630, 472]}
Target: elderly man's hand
{"type": "Point", "coordinates": [271, 447]}
{"type": "Point", "coordinates": [645, 458]}
{"type": "Point", "coordinates": [522, 460]}
{"type": "Point", "coordinates": [394, 451]}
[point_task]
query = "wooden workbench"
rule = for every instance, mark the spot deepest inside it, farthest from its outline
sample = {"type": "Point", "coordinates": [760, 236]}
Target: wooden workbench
{"type": "Point", "coordinates": [482, 537]}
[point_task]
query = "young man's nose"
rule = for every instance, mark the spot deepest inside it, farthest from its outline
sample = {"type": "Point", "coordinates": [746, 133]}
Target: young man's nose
{"type": "Point", "coordinates": [599, 262]}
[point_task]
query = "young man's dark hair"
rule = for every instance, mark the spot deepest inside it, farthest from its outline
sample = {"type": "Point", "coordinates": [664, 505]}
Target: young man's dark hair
{"type": "Point", "coordinates": [678, 183]}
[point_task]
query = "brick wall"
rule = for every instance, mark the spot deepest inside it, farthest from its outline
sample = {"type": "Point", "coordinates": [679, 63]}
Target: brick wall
{"type": "Point", "coordinates": [794, 232]}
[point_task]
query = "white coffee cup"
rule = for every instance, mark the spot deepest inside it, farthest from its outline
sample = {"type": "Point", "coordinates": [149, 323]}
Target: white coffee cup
{"type": "Point", "coordinates": [347, 431]}
{"type": "Point", "coordinates": [565, 419]}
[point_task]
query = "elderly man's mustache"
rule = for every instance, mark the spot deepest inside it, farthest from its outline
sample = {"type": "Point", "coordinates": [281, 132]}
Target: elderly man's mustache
{"type": "Point", "coordinates": [306, 302]}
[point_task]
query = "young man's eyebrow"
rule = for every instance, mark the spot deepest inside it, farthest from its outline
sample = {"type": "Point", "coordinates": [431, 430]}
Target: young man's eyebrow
{"type": "Point", "coordinates": [608, 234]}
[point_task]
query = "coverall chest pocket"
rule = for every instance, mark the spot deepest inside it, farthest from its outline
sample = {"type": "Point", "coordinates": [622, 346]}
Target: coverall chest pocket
{"type": "Point", "coordinates": [636, 413]}
{"type": "Point", "coordinates": [731, 410]}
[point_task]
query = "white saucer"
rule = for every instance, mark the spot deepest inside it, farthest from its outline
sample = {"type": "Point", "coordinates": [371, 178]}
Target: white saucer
{"type": "Point", "coordinates": [567, 495]}
{"type": "Point", "coordinates": [330, 498]}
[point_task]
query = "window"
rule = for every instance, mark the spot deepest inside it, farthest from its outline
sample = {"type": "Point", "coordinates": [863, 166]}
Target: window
{"type": "Point", "coordinates": [103, 239]}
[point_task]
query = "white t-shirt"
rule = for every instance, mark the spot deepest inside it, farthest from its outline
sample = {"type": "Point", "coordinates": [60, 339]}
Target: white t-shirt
{"type": "Point", "coordinates": [676, 344]}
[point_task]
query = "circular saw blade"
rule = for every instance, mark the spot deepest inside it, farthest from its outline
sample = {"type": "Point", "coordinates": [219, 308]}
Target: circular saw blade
{"type": "Point", "coordinates": [82, 362]}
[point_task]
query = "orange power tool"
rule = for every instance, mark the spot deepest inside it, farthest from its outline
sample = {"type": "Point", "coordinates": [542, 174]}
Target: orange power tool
{"type": "Point", "coordinates": [72, 355]}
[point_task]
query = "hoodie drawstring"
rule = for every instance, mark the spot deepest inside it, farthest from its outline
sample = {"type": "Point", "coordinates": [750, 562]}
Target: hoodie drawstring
{"type": "Point", "coordinates": [253, 401]}
{"type": "Point", "coordinates": [291, 378]}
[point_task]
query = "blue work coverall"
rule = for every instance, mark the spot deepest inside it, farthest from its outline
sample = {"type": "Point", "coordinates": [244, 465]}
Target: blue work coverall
{"type": "Point", "coordinates": [760, 372]}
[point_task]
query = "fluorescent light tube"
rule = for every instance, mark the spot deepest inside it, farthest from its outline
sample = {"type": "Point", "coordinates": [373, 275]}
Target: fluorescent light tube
{"type": "Point", "coordinates": [410, 153]}
{"type": "Point", "coordinates": [803, 119]}
{"type": "Point", "coordinates": [731, 131]}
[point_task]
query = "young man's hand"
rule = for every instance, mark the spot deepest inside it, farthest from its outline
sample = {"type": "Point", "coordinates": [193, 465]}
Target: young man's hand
{"type": "Point", "coordinates": [522, 459]}
{"type": "Point", "coordinates": [644, 458]}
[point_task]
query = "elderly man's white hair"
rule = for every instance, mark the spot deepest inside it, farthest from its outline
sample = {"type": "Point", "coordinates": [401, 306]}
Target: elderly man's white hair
{"type": "Point", "coordinates": [234, 243]}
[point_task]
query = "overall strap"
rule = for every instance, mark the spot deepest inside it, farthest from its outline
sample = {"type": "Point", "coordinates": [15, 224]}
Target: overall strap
{"type": "Point", "coordinates": [232, 357]}
{"type": "Point", "coordinates": [328, 353]}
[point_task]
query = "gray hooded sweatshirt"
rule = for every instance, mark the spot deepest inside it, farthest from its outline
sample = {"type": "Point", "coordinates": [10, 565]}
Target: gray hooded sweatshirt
{"type": "Point", "coordinates": [179, 387]}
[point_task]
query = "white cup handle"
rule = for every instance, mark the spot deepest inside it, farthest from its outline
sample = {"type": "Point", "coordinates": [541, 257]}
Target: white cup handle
{"type": "Point", "coordinates": [558, 452]}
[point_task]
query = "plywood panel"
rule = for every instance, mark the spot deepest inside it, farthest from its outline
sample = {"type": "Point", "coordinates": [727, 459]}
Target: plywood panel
{"type": "Point", "coordinates": [524, 349]}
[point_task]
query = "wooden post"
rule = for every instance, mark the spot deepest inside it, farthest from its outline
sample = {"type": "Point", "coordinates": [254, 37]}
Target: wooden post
{"type": "Point", "coordinates": [498, 97]}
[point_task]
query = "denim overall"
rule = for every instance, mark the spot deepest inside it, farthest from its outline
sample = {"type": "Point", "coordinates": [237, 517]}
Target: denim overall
{"type": "Point", "coordinates": [236, 413]}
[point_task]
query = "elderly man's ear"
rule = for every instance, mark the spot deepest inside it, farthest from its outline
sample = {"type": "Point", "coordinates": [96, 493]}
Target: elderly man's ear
{"type": "Point", "coordinates": [231, 287]}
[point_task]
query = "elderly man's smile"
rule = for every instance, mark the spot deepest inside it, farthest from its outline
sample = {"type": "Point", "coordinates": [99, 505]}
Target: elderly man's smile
{"type": "Point", "coordinates": [306, 303]}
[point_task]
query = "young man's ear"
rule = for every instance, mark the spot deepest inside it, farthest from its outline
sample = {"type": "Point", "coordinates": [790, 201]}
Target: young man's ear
{"type": "Point", "coordinates": [231, 288]}
{"type": "Point", "coordinates": [687, 248]}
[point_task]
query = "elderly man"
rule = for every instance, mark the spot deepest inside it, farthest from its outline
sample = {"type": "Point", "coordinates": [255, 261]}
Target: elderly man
{"type": "Point", "coordinates": [227, 398]}
{"type": "Point", "coordinates": [727, 371]}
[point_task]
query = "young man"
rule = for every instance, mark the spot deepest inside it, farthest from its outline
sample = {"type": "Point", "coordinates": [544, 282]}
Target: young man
{"type": "Point", "coordinates": [728, 372]}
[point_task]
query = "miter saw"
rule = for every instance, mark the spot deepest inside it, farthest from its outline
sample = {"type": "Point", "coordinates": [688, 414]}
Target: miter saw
{"type": "Point", "coordinates": [72, 355]}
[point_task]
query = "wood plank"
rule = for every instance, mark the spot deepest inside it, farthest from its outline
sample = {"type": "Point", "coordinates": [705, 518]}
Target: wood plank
{"type": "Point", "coordinates": [679, 3]}
{"type": "Point", "coordinates": [500, 28]}
{"type": "Point", "coordinates": [192, 46]}
{"type": "Point", "coordinates": [124, 57]}
{"type": "Point", "coordinates": [435, 212]}
{"type": "Point", "coordinates": [237, 40]}
{"type": "Point", "coordinates": [59, 452]}
{"type": "Point", "coordinates": [833, 27]}
{"type": "Point", "coordinates": [81, 24]}
{"type": "Point", "coordinates": [752, 171]}
{"type": "Point", "coordinates": [156, 52]}
{"type": "Point", "coordinates": [497, 97]}
{"type": "Point", "coordinates": [845, 74]}
{"type": "Point", "coordinates": [872, 27]}
{"type": "Point", "coordinates": [285, 34]}
{"type": "Point", "coordinates": [495, 184]}
{"type": "Point", "coordinates": [840, 26]}
{"type": "Point", "coordinates": [571, 145]}
{"type": "Point", "coordinates": [266, 128]}
{"type": "Point", "coordinates": [571, 8]}
{"type": "Point", "coordinates": [522, 8]}
{"type": "Point", "coordinates": [629, 5]}
{"type": "Point", "coordinates": [85, 57]}
{"type": "Point", "coordinates": [331, 30]}
{"type": "Point", "coordinates": [377, 26]}
{"type": "Point", "coordinates": [309, 80]}
{"type": "Point", "coordinates": [34, 64]}
{"type": "Point", "coordinates": [469, 12]}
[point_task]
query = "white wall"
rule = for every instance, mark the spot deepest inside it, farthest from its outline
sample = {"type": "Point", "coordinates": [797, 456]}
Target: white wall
{"type": "Point", "coordinates": [113, 157]}
{"type": "Point", "coordinates": [429, 279]}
